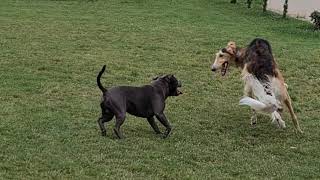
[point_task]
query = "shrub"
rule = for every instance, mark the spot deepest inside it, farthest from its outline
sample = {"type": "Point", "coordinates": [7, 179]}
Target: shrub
{"type": "Point", "coordinates": [315, 18]}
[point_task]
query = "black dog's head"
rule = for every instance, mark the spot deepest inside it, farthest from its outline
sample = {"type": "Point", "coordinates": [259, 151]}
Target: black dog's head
{"type": "Point", "coordinates": [172, 83]}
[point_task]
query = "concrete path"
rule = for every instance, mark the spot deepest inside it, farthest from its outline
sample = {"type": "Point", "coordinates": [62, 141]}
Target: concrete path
{"type": "Point", "coordinates": [297, 8]}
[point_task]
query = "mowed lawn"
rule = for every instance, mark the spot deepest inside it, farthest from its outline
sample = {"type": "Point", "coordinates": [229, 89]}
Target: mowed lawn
{"type": "Point", "coordinates": [51, 52]}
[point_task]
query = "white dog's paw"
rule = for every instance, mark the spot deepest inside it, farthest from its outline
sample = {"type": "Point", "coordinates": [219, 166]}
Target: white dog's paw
{"type": "Point", "coordinates": [282, 124]}
{"type": "Point", "coordinates": [277, 120]}
{"type": "Point", "coordinates": [279, 123]}
{"type": "Point", "coordinates": [253, 120]}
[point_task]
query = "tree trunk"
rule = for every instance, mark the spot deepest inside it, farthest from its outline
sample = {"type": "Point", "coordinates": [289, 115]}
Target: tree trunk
{"type": "Point", "coordinates": [265, 3]}
{"type": "Point", "coordinates": [285, 9]}
{"type": "Point", "coordinates": [249, 3]}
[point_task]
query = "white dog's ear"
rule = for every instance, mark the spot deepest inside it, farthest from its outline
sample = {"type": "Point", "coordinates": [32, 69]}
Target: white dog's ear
{"type": "Point", "coordinates": [231, 47]}
{"type": "Point", "coordinates": [232, 44]}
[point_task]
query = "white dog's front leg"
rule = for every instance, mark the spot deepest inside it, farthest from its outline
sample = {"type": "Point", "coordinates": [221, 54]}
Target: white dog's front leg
{"type": "Point", "coordinates": [254, 117]}
{"type": "Point", "coordinates": [248, 92]}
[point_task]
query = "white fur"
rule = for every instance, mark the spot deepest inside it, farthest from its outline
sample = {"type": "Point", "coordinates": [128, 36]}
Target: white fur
{"type": "Point", "coordinates": [264, 102]}
{"type": "Point", "coordinates": [257, 105]}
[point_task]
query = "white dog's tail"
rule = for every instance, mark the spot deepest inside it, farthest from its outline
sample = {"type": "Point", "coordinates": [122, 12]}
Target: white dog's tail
{"type": "Point", "coordinates": [257, 105]}
{"type": "Point", "coordinates": [254, 104]}
{"type": "Point", "coordinates": [265, 101]}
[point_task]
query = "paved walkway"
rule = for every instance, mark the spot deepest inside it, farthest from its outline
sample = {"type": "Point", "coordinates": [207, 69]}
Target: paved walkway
{"type": "Point", "coordinates": [297, 8]}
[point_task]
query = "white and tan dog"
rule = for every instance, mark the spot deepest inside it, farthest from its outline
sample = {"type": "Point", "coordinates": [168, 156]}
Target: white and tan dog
{"type": "Point", "coordinates": [265, 90]}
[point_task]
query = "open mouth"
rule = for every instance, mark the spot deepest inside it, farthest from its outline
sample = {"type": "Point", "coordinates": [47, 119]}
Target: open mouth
{"type": "Point", "coordinates": [224, 68]}
{"type": "Point", "coordinates": [178, 91]}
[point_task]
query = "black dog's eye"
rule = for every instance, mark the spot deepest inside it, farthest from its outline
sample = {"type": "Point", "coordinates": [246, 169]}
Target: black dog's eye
{"type": "Point", "coordinates": [220, 55]}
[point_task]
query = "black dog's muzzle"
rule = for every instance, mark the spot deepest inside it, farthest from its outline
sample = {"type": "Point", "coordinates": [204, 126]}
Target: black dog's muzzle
{"type": "Point", "coordinates": [178, 92]}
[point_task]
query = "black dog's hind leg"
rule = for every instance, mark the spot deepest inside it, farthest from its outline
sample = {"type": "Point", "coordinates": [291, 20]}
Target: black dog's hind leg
{"type": "Point", "coordinates": [162, 118]}
{"type": "Point", "coordinates": [119, 121]}
{"type": "Point", "coordinates": [101, 125]}
{"type": "Point", "coordinates": [102, 120]}
{"type": "Point", "coordinates": [153, 125]}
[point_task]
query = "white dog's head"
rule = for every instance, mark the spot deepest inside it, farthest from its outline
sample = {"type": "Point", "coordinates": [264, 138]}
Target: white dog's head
{"type": "Point", "coordinates": [224, 57]}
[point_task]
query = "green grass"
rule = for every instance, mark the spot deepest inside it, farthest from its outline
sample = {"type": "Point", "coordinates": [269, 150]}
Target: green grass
{"type": "Point", "coordinates": [51, 52]}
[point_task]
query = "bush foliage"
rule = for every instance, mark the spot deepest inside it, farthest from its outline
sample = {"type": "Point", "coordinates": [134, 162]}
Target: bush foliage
{"type": "Point", "coordinates": [315, 18]}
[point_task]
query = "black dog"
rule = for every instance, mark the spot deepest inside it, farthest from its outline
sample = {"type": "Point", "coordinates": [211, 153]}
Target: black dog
{"type": "Point", "coordinates": [146, 101]}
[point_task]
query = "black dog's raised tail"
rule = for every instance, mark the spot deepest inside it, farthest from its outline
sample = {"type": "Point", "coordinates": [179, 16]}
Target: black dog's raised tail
{"type": "Point", "coordinates": [98, 79]}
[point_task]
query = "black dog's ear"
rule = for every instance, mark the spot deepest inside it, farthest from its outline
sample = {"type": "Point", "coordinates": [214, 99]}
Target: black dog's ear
{"type": "Point", "coordinates": [166, 78]}
{"type": "Point", "coordinates": [155, 78]}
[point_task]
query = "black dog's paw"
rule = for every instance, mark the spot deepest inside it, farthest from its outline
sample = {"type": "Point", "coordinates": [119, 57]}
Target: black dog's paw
{"type": "Point", "coordinates": [118, 133]}
{"type": "Point", "coordinates": [167, 133]}
{"type": "Point", "coordinates": [164, 136]}
{"type": "Point", "coordinates": [103, 133]}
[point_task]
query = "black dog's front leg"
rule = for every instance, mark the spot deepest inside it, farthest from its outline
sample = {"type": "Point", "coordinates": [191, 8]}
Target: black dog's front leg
{"type": "Point", "coordinates": [162, 118]}
{"type": "Point", "coordinates": [153, 125]}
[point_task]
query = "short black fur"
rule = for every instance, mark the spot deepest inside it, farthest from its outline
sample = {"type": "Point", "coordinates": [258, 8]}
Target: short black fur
{"type": "Point", "coordinates": [145, 101]}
